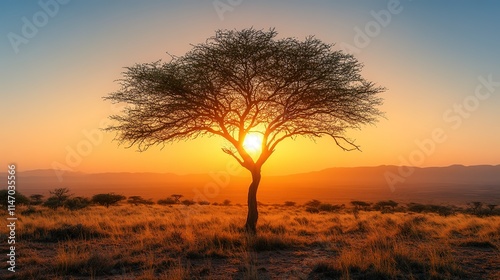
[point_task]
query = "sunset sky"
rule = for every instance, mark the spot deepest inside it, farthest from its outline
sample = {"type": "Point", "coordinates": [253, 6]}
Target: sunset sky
{"type": "Point", "coordinates": [438, 60]}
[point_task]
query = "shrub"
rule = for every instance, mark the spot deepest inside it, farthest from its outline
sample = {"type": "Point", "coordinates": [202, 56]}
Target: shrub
{"type": "Point", "coordinates": [58, 198]}
{"type": "Point", "coordinates": [475, 206]}
{"type": "Point", "coordinates": [203, 202]}
{"type": "Point", "coordinates": [430, 208]}
{"type": "Point", "coordinates": [76, 203]}
{"type": "Point", "coordinates": [107, 199]}
{"type": "Point", "coordinates": [441, 210]}
{"type": "Point", "coordinates": [30, 210]}
{"type": "Point", "coordinates": [381, 205]}
{"type": "Point", "coordinates": [327, 207]}
{"type": "Point", "coordinates": [313, 203]}
{"type": "Point", "coordinates": [136, 200]}
{"type": "Point", "coordinates": [166, 201]}
{"type": "Point", "coordinates": [360, 204]}
{"type": "Point", "coordinates": [416, 207]}
{"type": "Point", "coordinates": [177, 197]}
{"type": "Point", "coordinates": [60, 193]}
{"type": "Point", "coordinates": [53, 203]}
{"type": "Point", "coordinates": [311, 209]}
{"type": "Point", "coordinates": [36, 199]}
{"type": "Point", "coordinates": [290, 203]}
{"type": "Point", "coordinates": [188, 202]}
{"type": "Point", "coordinates": [226, 202]}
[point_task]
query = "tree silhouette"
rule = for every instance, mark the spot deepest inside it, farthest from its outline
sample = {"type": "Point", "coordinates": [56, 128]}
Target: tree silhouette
{"type": "Point", "coordinates": [491, 206]}
{"type": "Point", "coordinates": [245, 81]}
{"type": "Point", "coordinates": [36, 199]}
{"type": "Point", "coordinates": [360, 204]}
{"type": "Point", "coordinates": [177, 197]}
{"type": "Point", "coordinates": [76, 203]}
{"type": "Point", "coordinates": [58, 198]}
{"type": "Point", "coordinates": [107, 199]}
{"type": "Point", "coordinates": [61, 194]}
{"type": "Point", "coordinates": [136, 200]}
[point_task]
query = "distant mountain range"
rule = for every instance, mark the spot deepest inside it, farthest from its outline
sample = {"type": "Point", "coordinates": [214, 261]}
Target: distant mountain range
{"type": "Point", "coordinates": [454, 184]}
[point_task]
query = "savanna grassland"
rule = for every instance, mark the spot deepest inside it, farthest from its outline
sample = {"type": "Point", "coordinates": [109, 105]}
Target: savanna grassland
{"type": "Point", "coordinates": [206, 242]}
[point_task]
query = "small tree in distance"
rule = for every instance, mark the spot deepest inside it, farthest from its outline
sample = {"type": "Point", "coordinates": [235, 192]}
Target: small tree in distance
{"type": "Point", "coordinates": [177, 197]}
{"type": "Point", "coordinates": [107, 199]}
{"type": "Point", "coordinates": [57, 199]}
{"type": "Point", "coordinates": [242, 82]}
{"type": "Point", "coordinates": [61, 194]}
{"type": "Point", "coordinates": [491, 206]}
{"type": "Point", "coordinates": [167, 201]}
{"type": "Point", "coordinates": [475, 206]}
{"type": "Point", "coordinates": [188, 202]}
{"type": "Point", "coordinates": [36, 199]}
{"type": "Point", "coordinates": [76, 203]}
{"type": "Point", "coordinates": [290, 203]}
{"type": "Point", "coordinates": [136, 200]}
{"type": "Point", "coordinates": [360, 204]}
{"type": "Point", "coordinates": [381, 205]}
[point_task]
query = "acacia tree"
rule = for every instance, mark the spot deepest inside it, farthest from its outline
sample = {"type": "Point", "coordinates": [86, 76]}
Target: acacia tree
{"type": "Point", "coordinates": [243, 81]}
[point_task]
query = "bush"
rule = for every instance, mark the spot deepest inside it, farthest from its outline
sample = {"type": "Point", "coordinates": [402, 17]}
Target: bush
{"type": "Point", "coordinates": [226, 202]}
{"type": "Point", "coordinates": [107, 199]}
{"type": "Point", "coordinates": [290, 203]}
{"type": "Point", "coordinates": [58, 198]}
{"type": "Point", "coordinates": [475, 206]}
{"type": "Point", "coordinates": [311, 209]}
{"type": "Point", "coordinates": [203, 202]}
{"type": "Point", "coordinates": [327, 207]}
{"type": "Point", "coordinates": [36, 199]}
{"type": "Point", "coordinates": [430, 208]}
{"type": "Point", "coordinates": [76, 203]}
{"type": "Point", "coordinates": [416, 207]}
{"type": "Point", "coordinates": [360, 205]}
{"type": "Point", "coordinates": [166, 201]}
{"type": "Point", "coordinates": [53, 203]}
{"type": "Point", "coordinates": [177, 197]}
{"type": "Point", "coordinates": [381, 205]}
{"type": "Point", "coordinates": [188, 202]}
{"type": "Point", "coordinates": [30, 210]}
{"type": "Point", "coordinates": [313, 203]}
{"type": "Point", "coordinates": [136, 200]}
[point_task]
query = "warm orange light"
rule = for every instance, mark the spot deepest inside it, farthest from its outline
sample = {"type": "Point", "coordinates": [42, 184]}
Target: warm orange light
{"type": "Point", "coordinates": [253, 142]}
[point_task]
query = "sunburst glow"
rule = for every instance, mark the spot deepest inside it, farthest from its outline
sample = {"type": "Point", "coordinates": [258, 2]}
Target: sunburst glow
{"type": "Point", "coordinates": [253, 142]}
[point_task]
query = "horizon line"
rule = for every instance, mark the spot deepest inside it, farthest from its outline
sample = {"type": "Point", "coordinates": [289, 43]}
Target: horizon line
{"type": "Point", "coordinates": [288, 174]}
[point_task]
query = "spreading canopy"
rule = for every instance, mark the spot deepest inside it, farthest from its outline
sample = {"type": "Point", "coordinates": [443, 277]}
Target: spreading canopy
{"type": "Point", "coordinates": [243, 81]}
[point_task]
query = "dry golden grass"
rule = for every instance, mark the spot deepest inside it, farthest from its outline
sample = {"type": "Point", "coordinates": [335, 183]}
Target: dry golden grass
{"type": "Point", "coordinates": [206, 242]}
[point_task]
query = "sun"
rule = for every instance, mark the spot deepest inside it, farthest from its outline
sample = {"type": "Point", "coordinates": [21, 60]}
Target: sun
{"type": "Point", "coordinates": [253, 142]}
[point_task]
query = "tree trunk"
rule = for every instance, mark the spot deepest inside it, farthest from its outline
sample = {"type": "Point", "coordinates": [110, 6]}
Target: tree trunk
{"type": "Point", "coordinates": [253, 215]}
